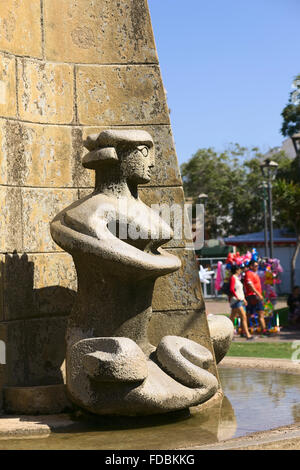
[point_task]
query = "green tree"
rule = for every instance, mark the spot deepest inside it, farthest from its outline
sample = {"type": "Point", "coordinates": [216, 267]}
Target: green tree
{"type": "Point", "coordinates": [286, 190]}
{"type": "Point", "coordinates": [231, 180]}
{"type": "Point", "coordinates": [287, 197]}
{"type": "Point", "coordinates": [215, 174]}
{"type": "Point", "coordinates": [291, 116]}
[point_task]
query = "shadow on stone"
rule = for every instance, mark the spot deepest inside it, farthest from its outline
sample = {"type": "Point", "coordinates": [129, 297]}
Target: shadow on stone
{"type": "Point", "coordinates": [33, 325]}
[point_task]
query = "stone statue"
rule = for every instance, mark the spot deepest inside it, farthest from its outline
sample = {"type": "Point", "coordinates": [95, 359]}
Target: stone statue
{"type": "Point", "coordinates": [111, 366]}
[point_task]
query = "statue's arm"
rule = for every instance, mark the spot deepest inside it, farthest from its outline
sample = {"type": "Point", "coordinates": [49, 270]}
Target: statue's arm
{"type": "Point", "coordinates": [79, 237]}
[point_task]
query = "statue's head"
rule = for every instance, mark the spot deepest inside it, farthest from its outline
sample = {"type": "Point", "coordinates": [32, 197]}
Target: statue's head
{"type": "Point", "coordinates": [131, 151]}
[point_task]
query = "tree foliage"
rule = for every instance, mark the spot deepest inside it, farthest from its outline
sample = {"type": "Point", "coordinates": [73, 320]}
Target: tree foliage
{"type": "Point", "coordinates": [291, 116]}
{"type": "Point", "coordinates": [231, 180]}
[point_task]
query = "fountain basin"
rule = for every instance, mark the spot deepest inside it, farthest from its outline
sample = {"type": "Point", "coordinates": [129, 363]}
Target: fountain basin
{"type": "Point", "coordinates": [254, 401]}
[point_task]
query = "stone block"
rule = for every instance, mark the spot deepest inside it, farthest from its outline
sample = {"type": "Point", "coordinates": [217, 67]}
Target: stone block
{"type": "Point", "coordinates": [45, 350]}
{"type": "Point", "coordinates": [54, 283]}
{"type": "Point", "coordinates": [35, 352]}
{"type": "Point", "coordinates": [20, 27]}
{"type": "Point", "coordinates": [39, 208]}
{"type": "Point", "coordinates": [3, 150]}
{"type": "Point", "coordinates": [189, 324]}
{"type": "Point", "coordinates": [12, 373]}
{"type": "Point", "coordinates": [166, 170]}
{"type": "Point", "coordinates": [37, 285]}
{"type": "Point", "coordinates": [8, 94]}
{"type": "Point", "coordinates": [84, 192]}
{"type": "Point", "coordinates": [45, 92]}
{"type": "Point", "coordinates": [181, 289]}
{"type": "Point", "coordinates": [105, 32]}
{"type": "Point", "coordinates": [2, 259]}
{"type": "Point", "coordinates": [18, 295]}
{"type": "Point", "coordinates": [82, 177]}
{"type": "Point", "coordinates": [45, 399]}
{"type": "Point", "coordinates": [11, 219]}
{"type": "Point", "coordinates": [35, 154]}
{"type": "Point", "coordinates": [169, 202]}
{"type": "Point", "coordinates": [116, 95]}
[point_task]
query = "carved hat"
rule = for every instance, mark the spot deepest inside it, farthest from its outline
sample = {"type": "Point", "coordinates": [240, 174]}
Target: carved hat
{"type": "Point", "coordinates": [102, 147]}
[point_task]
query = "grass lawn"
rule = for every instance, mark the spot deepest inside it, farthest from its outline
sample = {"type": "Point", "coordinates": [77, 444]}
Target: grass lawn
{"type": "Point", "coordinates": [256, 349]}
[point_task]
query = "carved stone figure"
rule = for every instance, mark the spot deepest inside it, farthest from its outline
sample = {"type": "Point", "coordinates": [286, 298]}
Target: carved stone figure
{"type": "Point", "coordinates": [111, 366]}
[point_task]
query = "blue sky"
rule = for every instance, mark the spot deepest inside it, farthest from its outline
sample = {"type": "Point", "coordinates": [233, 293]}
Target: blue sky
{"type": "Point", "coordinates": [228, 67]}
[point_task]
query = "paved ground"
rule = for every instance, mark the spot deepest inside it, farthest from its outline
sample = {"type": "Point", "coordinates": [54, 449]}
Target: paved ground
{"type": "Point", "coordinates": [221, 307]}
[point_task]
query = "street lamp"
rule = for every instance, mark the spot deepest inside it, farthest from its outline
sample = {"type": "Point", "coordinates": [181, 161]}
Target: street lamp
{"type": "Point", "coordinates": [202, 198]}
{"type": "Point", "coordinates": [263, 191]}
{"type": "Point", "coordinates": [268, 169]}
{"type": "Point", "coordinates": [296, 141]}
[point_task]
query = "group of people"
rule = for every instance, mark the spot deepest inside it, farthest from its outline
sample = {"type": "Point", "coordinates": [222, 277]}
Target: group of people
{"type": "Point", "coordinates": [245, 296]}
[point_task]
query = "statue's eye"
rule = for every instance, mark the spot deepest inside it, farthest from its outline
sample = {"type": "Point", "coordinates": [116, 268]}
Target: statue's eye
{"type": "Point", "coordinates": [144, 151]}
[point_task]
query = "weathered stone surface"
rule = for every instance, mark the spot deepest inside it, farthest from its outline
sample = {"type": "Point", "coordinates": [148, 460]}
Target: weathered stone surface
{"type": "Point", "coordinates": [35, 154]}
{"type": "Point", "coordinates": [106, 32]}
{"type": "Point", "coordinates": [81, 177]}
{"type": "Point", "coordinates": [46, 92]}
{"type": "Point", "coordinates": [45, 350]}
{"type": "Point", "coordinates": [166, 170]}
{"type": "Point", "coordinates": [221, 332]}
{"type": "Point", "coordinates": [36, 285]}
{"type": "Point", "coordinates": [47, 399]}
{"type": "Point", "coordinates": [35, 351]}
{"type": "Point", "coordinates": [54, 276]}
{"type": "Point", "coordinates": [116, 275]}
{"type": "Point", "coordinates": [48, 155]}
{"type": "Point", "coordinates": [3, 161]}
{"type": "Point", "coordinates": [52, 269]}
{"type": "Point", "coordinates": [2, 258]}
{"type": "Point", "coordinates": [21, 27]}
{"type": "Point", "coordinates": [13, 371]}
{"type": "Point", "coordinates": [113, 360]}
{"type": "Point", "coordinates": [18, 287]}
{"type": "Point", "coordinates": [169, 202]}
{"type": "Point", "coordinates": [8, 96]}
{"type": "Point", "coordinates": [180, 289]}
{"type": "Point", "coordinates": [187, 361]}
{"type": "Point", "coordinates": [110, 95]}
{"type": "Point", "coordinates": [11, 219]}
{"type": "Point", "coordinates": [17, 426]}
{"type": "Point", "coordinates": [190, 324]}
{"type": "Point", "coordinates": [39, 207]}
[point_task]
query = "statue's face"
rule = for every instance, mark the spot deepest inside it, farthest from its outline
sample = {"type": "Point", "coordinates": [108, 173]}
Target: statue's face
{"type": "Point", "coordinates": [136, 164]}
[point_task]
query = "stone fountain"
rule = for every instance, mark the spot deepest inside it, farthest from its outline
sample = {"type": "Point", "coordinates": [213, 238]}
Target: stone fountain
{"type": "Point", "coordinates": [111, 367]}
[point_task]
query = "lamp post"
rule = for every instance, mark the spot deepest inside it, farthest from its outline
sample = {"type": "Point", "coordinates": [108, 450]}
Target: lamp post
{"type": "Point", "coordinates": [263, 189]}
{"type": "Point", "coordinates": [202, 198]}
{"type": "Point", "coordinates": [268, 169]}
{"type": "Point", "coordinates": [296, 141]}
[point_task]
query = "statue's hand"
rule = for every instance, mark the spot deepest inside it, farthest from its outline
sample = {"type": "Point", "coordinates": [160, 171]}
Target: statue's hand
{"type": "Point", "coordinates": [186, 361]}
{"type": "Point", "coordinates": [112, 359]}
